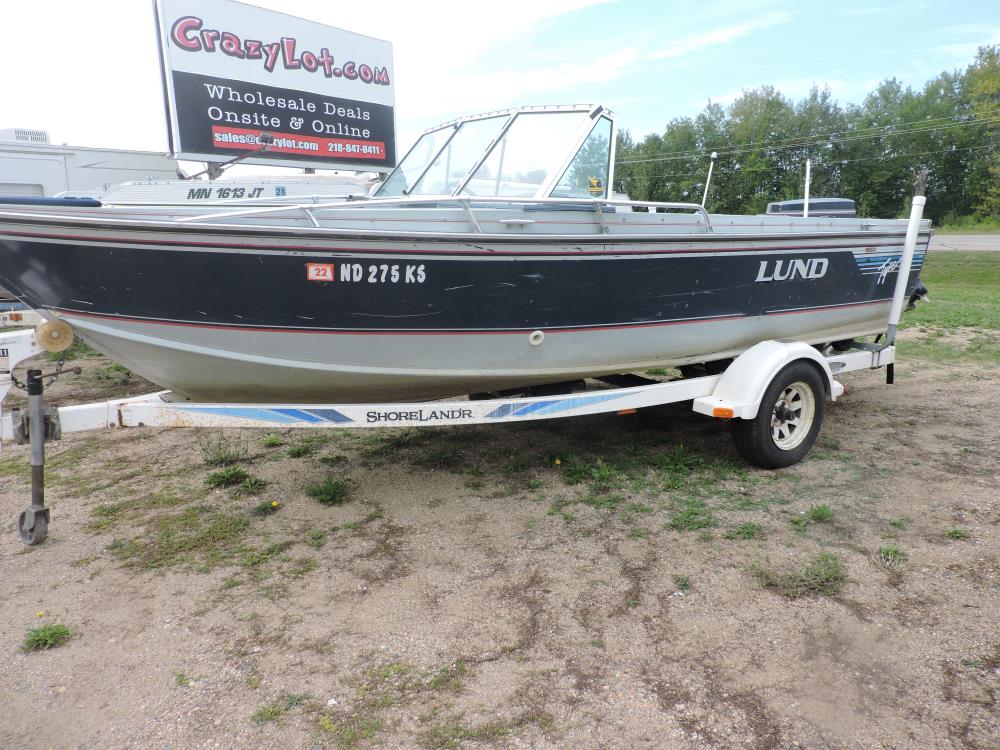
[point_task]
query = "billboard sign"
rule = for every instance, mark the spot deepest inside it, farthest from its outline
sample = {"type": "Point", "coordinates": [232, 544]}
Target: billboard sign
{"type": "Point", "coordinates": [232, 71]}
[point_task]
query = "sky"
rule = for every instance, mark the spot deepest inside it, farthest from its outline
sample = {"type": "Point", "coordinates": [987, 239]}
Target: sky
{"type": "Point", "coordinates": [89, 72]}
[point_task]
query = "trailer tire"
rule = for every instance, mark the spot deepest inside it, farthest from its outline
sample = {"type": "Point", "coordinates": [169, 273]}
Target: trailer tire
{"type": "Point", "coordinates": [787, 421]}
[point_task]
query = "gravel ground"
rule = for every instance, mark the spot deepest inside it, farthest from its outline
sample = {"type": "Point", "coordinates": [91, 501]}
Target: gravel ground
{"type": "Point", "coordinates": [609, 582]}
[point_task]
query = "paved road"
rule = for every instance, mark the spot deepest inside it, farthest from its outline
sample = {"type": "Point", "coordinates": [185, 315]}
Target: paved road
{"type": "Point", "coordinates": [966, 242]}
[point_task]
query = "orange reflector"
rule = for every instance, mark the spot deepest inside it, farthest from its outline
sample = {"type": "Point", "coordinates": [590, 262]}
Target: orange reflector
{"type": "Point", "coordinates": [15, 316]}
{"type": "Point", "coordinates": [623, 412]}
{"type": "Point", "coordinates": [723, 412]}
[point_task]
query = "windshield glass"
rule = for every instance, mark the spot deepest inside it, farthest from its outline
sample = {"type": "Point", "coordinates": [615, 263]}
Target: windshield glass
{"type": "Point", "coordinates": [587, 174]}
{"type": "Point", "coordinates": [460, 155]}
{"type": "Point", "coordinates": [522, 160]}
{"type": "Point", "coordinates": [413, 165]}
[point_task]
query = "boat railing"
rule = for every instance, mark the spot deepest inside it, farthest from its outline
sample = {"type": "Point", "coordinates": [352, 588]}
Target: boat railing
{"type": "Point", "coordinates": [598, 205]}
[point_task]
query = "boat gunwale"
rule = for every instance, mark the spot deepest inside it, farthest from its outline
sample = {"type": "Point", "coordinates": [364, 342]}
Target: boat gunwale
{"type": "Point", "coordinates": [252, 231]}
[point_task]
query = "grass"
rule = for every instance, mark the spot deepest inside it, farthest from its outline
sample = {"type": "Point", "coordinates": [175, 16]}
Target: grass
{"type": "Point", "coordinates": [46, 637]}
{"type": "Point", "coordinates": [744, 531]}
{"type": "Point", "coordinates": [181, 679]}
{"type": "Point", "coordinates": [683, 583]}
{"type": "Point", "coordinates": [227, 477]}
{"type": "Point", "coordinates": [964, 289]}
{"type": "Point", "coordinates": [820, 514]}
{"type": "Point", "coordinates": [307, 445]}
{"type": "Point", "coordinates": [265, 508]}
{"type": "Point", "coordinates": [956, 533]}
{"type": "Point", "coordinates": [970, 225]}
{"type": "Point", "coordinates": [890, 555]}
{"type": "Point", "coordinates": [330, 491]}
{"type": "Point", "coordinates": [190, 535]}
{"type": "Point", "coordinates": [112, 373]}
{"type": "Point", "coordinates": [825, 574]}
{"type": "Point", "coordinates": [251, 485]}
{"type": "Point", "coordinates": [271, 440]}
{"type": "Point", "coordinates": [690, 515]}
{"type": "Point", "coordinates": [274, 711]}
{"type": "Point", "coordinates": [218, 449]}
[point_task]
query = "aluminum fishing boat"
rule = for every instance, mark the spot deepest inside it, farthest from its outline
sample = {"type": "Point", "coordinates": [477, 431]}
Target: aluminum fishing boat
{"type": "Point", "coordinates": [493, 257]}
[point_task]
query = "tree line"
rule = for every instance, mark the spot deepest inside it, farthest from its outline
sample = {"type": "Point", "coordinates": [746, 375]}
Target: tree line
{"type": "Point", "coordinates": [868, 152]}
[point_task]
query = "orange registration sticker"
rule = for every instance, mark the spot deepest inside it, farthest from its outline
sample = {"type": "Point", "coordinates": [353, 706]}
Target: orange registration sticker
{"type": "Point", "coordinates": [319, 272]}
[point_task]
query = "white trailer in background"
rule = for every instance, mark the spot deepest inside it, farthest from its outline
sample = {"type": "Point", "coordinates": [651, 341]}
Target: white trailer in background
{"type": "Point", "coordinates": [30, 165]}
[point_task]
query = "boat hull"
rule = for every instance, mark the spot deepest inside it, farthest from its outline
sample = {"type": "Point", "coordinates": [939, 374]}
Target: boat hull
{"type": "Point", "coordinates": [255, 316]}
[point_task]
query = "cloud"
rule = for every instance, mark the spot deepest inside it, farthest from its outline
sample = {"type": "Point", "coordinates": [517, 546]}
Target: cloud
{"type": "Point", "coordinates": [684, 46]}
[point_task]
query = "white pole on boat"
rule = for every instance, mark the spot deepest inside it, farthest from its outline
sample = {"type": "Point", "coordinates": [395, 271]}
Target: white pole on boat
{"type": "Point", "coordinates": [805, 202]}
{"type": "Point", "coordinates": [909, 247]}
{"type": "Point", "coordinates": [708, 182]}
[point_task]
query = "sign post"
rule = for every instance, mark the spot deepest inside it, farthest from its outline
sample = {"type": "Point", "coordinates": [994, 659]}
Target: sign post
{"type": "Point", "coordinates": [233, 71]}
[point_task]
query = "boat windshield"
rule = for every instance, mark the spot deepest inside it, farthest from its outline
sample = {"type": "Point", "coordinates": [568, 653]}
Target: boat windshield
{"type": "Point", "coordinates": [531, 152]}
{"type": "Point", "coordinates": [453, 163]}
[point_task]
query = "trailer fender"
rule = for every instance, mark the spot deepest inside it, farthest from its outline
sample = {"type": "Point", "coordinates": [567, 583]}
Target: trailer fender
{"type": "Point", "coordinates": [739, 391]}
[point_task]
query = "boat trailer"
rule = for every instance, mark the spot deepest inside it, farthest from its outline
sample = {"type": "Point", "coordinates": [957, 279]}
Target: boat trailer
{"type": "Point", "coordinates": [774, 393]}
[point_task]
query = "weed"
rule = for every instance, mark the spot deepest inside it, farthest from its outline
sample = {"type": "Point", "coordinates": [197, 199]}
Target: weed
{"type": "Point", "coordinates": [603, 476]}
{"type": "Point", "coordinates": [227, 477]}
{"type": "Point", "coordinates": [307, 445]}
{"type": "Point", "coordinates": [265, 508]}
{"type": "Point", "coordinates": [177, 538]}
{"type": "Point", "coordinates": [274, 711]}
{"type": "Point", "coordinates": [231, 582]}
{"type": "Point", "coordinates": [330, 491]}
{"type": "Point", "coordinates": [683, 583]}
{"type": "Point", "coordinates": [900, 523]}
{"type": "Point", "coordinates": [264, 714]}
{"type": "Point", "coordinates": [890, 555]}
{"type": "Point", "coordinates": [638, 533]}
{"type": "Point", "coordinates": [301, 566]}
{"type": "Point", "coordinates": [691, 515]}
{"type": "Point", "coordinates": [181, 679]}
{"type": "Point", "coordinates": [820, 514]}
{"type": "Point", "coordinates": [351, 730]}
{"type": "Point", "coordinates": [744, 531]}
{"type": "Point", "coordinates": [956, 533]}
{"type": "Point", "coordinates": [317, 538]}
{"type": "Point", "coordinates": [825, 574]}
{"type": "Point", "coordinates": [219, 450]}
{"type": "Point", "coordinates": [45, 637]}
{"type": "Point", "coordinates": [251, 486]}
{"type": "Point", "coordinates": [335, 460]}
{"type": "Point", "coordinates": [271, 440]}
{"type": "Point", "coordinates": [77, 350]}
{"type": "Point", "coordinates": [113, 373]}
{"type": "Point", "coordinates": [604, 502]}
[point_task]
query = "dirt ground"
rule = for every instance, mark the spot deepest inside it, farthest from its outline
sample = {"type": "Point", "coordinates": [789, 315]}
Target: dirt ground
{"type": "Point", "coordinates": [607, 582]}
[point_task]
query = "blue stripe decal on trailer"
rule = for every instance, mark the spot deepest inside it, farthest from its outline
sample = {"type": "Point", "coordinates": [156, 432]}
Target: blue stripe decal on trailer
{"type": "Point", "coordinates": [299, 415]}
{"type": "Point", "coordinates": [530, 408]}
{"type": "Point", "coordinates": [550, 407]}
{"type": "Point", "coordinates": [265, 415]}
{"type": "Point", "coordinates": [331, 415]}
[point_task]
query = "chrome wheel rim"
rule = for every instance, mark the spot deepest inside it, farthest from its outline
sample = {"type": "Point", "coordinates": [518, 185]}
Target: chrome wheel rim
{"type": "Point", "coordinates": [792, 415]}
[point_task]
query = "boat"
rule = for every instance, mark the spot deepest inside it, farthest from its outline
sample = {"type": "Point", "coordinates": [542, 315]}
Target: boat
{"type": "Point", "coordinates": [494, 257]}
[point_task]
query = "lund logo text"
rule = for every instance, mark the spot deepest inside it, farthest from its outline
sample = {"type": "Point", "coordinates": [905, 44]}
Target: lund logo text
{"type": "Point", "coordinates": [786, 270]}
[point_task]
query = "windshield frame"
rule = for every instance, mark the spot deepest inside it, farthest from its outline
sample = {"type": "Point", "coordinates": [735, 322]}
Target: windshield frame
{"type": "Point", "coordinates": [594, 112]}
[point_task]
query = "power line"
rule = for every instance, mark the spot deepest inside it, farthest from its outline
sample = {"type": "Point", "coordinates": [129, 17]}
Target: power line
{"type": "Point", "coordinates": [678, 155]}
{"type": "Point", "coordinates": [816, 166]}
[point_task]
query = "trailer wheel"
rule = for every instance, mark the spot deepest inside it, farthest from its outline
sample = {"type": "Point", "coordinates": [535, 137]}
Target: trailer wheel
{"type": "Point", "coordinates": [788, 420]}
{"type": "Point", "coordinates": [33, 527]}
